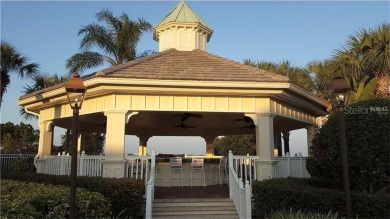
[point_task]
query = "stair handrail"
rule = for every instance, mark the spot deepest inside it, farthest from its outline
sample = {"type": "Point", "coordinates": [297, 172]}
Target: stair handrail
{"type": "Point", "coordinates": [240, 194]}
{"type": "Point", "coordinates": [150, 188]}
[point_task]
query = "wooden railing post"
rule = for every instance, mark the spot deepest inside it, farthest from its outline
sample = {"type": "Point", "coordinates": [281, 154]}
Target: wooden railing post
{"type": "Point", "coordinates": [82, 164]}
{"type": "Point", "coordinates": [248, 200]}
{"type": "Point", "coordinates": [300, 165]}
{"type": "Point", "coordinates": [288, 164]}
{"type": "Point", "coordinates": [62, 164]}
{"type": "Point", "coordinates": [230, 164]}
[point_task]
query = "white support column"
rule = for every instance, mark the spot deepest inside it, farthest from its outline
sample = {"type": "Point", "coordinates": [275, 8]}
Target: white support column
{"type": "Point", "coordinates": [311, 132]}
{"type": "Point", "coordinates": [143, 145]}
{"type": "Point", "coordinates": [114, 163]}
{"type": "Point", "coordinates": [80, 143]}
{"type": "Point", "coordinates": [45, 144]}
{"type": "Point", "coordinates": [265, 167]}
{"type": "Point", "coordinates": [209, 145]}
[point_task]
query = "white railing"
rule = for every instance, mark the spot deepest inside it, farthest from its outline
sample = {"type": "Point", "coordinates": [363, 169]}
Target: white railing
{"type": "Point", "coordinates": [240, 194]}
{"type": "Point", "coordinates": [150, 189]}
{"type": "Point", "coordinates": [245, 167]}
{"type": "Point", "coordinates": [87, 165]}
{"type": "Point", "coordinates": [139, 167]}
{"type": "Point", "coordinates": [291, 166]}
{"type": "Point", "coordinates": [6, 160]}
{"type": "Point", "coordinates": [201, 156]}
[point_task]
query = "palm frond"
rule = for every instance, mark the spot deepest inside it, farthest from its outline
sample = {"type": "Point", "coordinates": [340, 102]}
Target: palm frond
{"type": "Point", "coordinates": [85, 60]}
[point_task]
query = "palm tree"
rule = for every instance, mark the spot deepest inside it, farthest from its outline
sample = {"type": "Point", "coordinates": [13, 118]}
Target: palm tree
{"type": "Point", "coordinates": [377, 56]}
{"type": "Point", "coordinates": [117, 41]}
{"type": "Point", "coordinates": [40, 81]}
{"type": "Point", "coordinates": [297, 76]}
{"type": "Point", "coordinates": [367, 53]}
{"type": "Point", "coordinates": [13, 61]}
{"type": "Point", "coordinates": [322, 76]}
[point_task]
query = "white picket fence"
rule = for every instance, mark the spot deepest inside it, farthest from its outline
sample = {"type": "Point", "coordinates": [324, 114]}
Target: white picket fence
{"type": "Point", "coordinates": [291, 166]}
{"type": "Point", "coordinates": [6, 160]}
{"type": "Point", "coordinates": [86, 166]}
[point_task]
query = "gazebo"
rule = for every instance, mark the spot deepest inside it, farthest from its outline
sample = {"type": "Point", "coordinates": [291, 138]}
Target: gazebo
{"type": "Point", "coordinates": [144, 97]}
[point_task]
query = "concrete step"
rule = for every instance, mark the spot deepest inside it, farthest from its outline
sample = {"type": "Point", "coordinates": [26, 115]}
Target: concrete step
{"type": "Point", "coordinates": [195, 213]}
{"type": "Point", "coordinates": [193, 200]}
{"type": "Point", "coordinates": [195, 204]}
{"type": "Point", "coordinates": [198, 217]}
{"type": "Point", "coordinates": [194, 208]}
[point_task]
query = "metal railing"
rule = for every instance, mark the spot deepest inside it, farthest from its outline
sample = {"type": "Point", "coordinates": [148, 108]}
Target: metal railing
{"type": "Point", "coordinates": [7, 160]}
{"type": "Point", "coordinates": [240, 194]}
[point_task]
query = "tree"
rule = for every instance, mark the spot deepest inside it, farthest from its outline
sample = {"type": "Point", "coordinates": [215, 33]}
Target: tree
{"type": "Point", "coordinates": [40, 81]}
{"type": "Point", "coordinates": [93, 143]}
{"type": "Point", "coordinates": [21, 139]}
{"type": "Point", "coordinates": [238, 144]}
{"type": "Point", "coordinates": [296, 75]}
{"type": "Point", "coordinates": [13, 61]}
{"type": "Point", "coordinates": [367, 136]}
{"type": "Point", "coordinates": [322, 75]}
{"type": "Point", "coordinates": [367, 53]}
{"type": "Point", "coordinates": [117, 41]}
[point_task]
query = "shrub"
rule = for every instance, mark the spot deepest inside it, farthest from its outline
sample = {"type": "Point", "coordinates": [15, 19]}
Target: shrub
{"type": "Point", "coordinates": [33, 200]}
{"type": "Point", "coordinates": [291, 214]}
{"type": "Point", "coordinates": [367, 135]}
{"type": "Point", "coordinates": [23, 165]}
{"type": "Point", "coordinates": [125, 195]}
{"type": "Point", "coordinates": [297, 194]}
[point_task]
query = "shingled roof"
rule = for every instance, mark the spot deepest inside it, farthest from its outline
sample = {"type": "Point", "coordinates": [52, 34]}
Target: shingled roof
{"type": "Point", "coordinates": [196, 65]}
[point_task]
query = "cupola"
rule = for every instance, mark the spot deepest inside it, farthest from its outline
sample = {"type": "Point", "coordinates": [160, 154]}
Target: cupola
{"type": "Point", "coordinates": [182, 29]}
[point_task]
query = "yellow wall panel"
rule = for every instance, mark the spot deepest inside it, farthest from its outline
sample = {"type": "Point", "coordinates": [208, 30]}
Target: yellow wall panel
{"type": "Point", "coordinates": [100, 104]}
{"type": "Point", "coordinates": [180, 103]}
{"type": "Point", "coordinates": [138, 102]}
{"type": "Point", "coordinates": [122, 102]}
{"type": "Point", "coordinates": [194, 103]}
{"type": "Point", "coordinates": [234, 104]}
{"type": "Point", "coordinates": [208, 103]}
{"type": "Point", "coordinates": [166, 103]}
{"type": "Point", "coordinates": [248, 104]}
{"type": "Point", "coordinates": [221, 103]}
{"type": "Point", "coordinates": [152, 102]}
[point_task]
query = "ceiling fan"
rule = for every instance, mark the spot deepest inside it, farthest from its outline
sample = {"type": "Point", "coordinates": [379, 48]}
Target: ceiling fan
{"type": "Point", "coordinates": [183, 126]}
{"type": "Point", "coordinates": [185, 116]}
{"type": "Point", "coordinates": [247, 119]}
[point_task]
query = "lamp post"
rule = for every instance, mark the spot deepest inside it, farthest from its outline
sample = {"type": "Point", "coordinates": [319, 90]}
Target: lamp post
{"type": "Point", "coordinates": [339, 98]}
{"type": "Point", "coordinates": [75, 91]}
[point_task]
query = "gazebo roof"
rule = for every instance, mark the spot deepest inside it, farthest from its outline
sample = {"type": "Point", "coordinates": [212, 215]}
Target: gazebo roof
{"type": "Point", "coordinates": [184, 14]}
{"type": "Point", "coordinates": [196, 65]}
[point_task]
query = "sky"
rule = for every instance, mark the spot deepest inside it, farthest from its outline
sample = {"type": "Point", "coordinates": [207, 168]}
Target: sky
{"type": "Point", "coordinates": [297, 31]}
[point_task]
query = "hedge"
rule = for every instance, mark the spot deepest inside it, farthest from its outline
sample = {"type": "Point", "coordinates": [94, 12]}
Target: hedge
{"type": "Point", "coordinates": [34, 200]}
{"type": "Point", "coordinates": [124, 195]}
{"type": "Point", "coordinates": [280, 194]}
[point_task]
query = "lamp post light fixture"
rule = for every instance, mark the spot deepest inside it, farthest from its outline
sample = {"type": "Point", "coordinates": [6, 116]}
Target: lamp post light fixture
{"type": "Point", "coordinates": [339, 98]}
{"type": "Point", "coordinates": [75, 91]}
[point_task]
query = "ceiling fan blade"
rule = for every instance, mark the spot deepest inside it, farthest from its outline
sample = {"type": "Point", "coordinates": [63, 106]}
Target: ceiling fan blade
{"type": "Point", "coordinates": [188, 126]}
